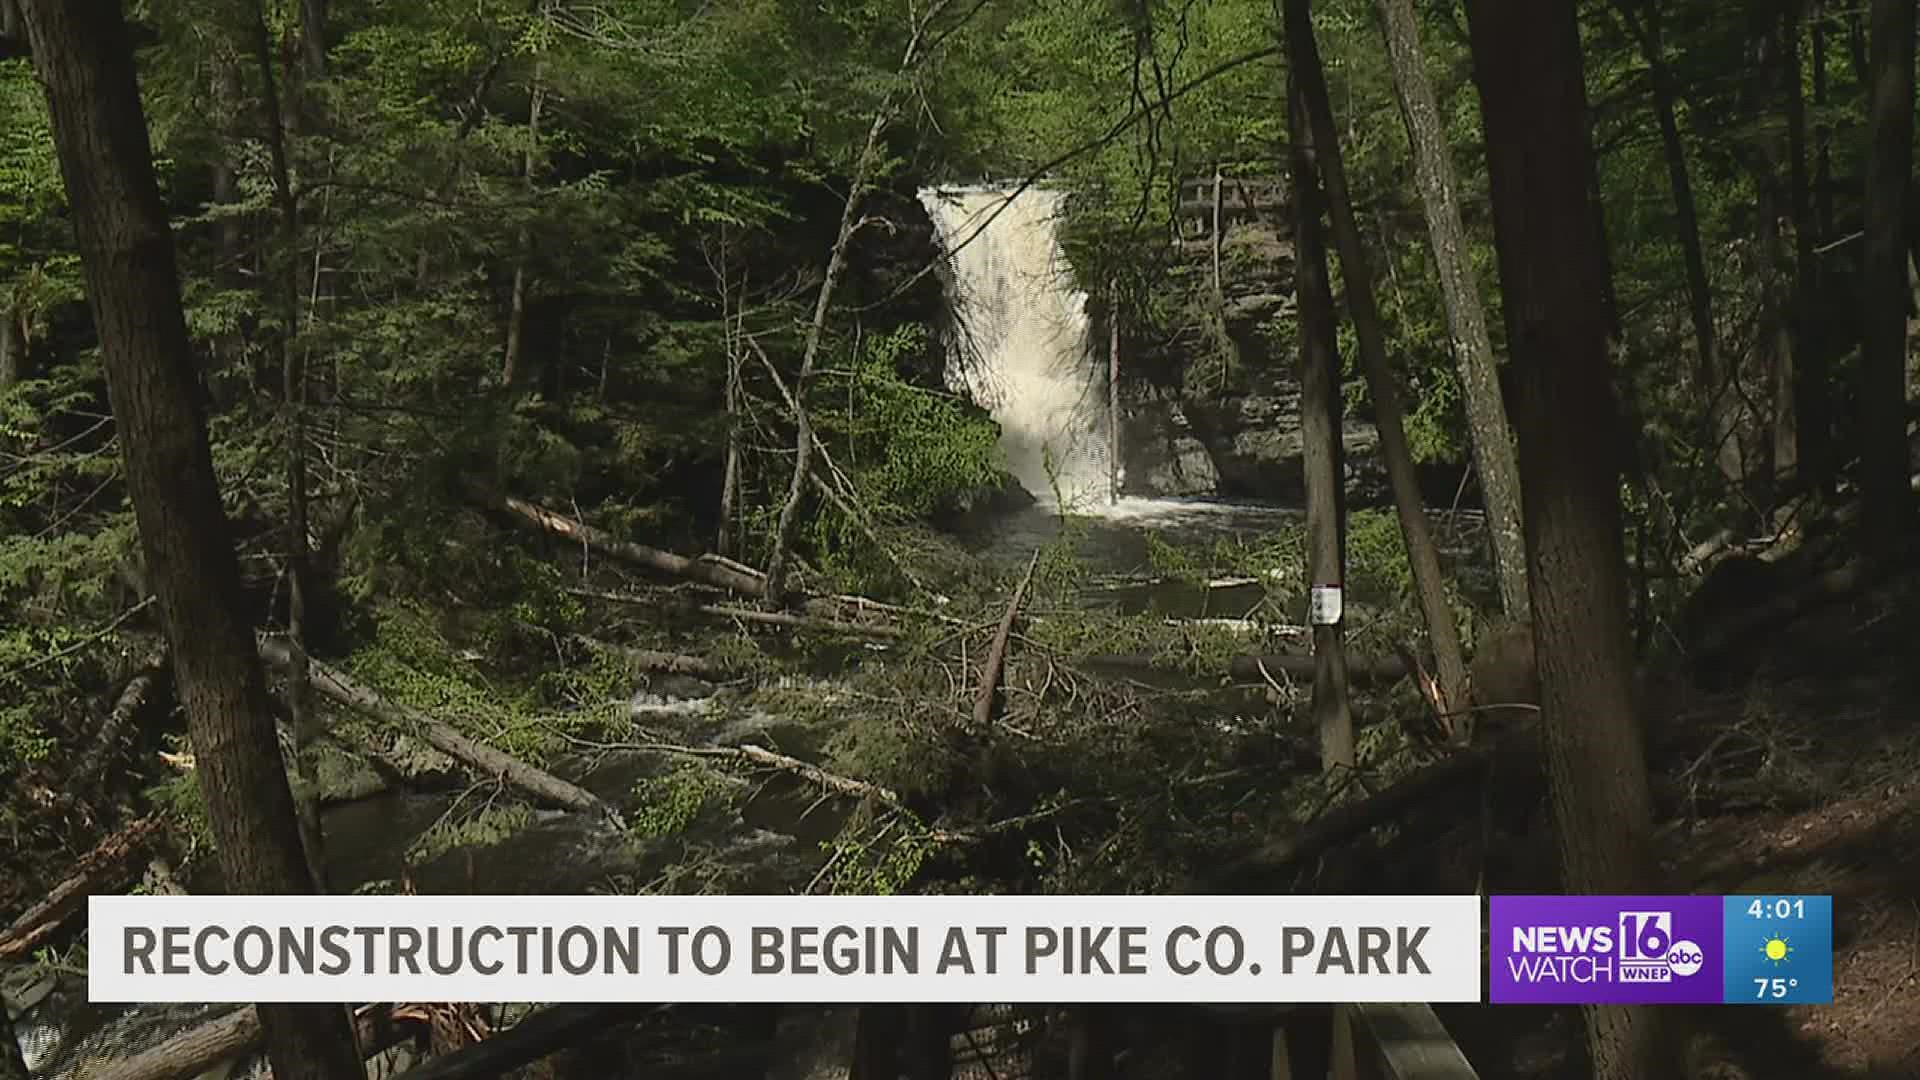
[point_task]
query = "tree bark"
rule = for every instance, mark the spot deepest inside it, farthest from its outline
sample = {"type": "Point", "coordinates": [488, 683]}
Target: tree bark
{"type": "Point", "coordinates": [1389, 414]}
{"type": "Point", "coordinates": [1527, 65]}
{"type": "Point", "coordinates": [517, 313]}
{"type": "Point", "coordinates": [1716, 386]}
{"type": "Point", "coordinates": [1466, 317]}
{"type": "Point", "coordinates": [10, 350]}
{"type": "Point", "coordinates": [1822, 136]}
{"type": "Point", "coordinates": [1320, 433]}
{"type": "Point", "coordinates": [863, 169]}
{"type": "Point", "coordinates": [293, 373]}
{"type": "Point", "coordinates": [442, 736]}
{"type": "Point", "coordinates": [12, 1065]}
{"type": "Point", "coordinates": [1113, 401]}
{"type": "Point", "coordinates": [1883, 315]}
{"type": "Point", "coordinates": [1810, 372]}
{"type": "Point", "coordinates": [85, 60]}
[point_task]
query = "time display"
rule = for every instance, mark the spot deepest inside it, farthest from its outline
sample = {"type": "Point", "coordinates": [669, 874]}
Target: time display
{"type": "Point", "coordinates": [1778, 949]}
{"type": "Point", "coordinates": [1780, 907]}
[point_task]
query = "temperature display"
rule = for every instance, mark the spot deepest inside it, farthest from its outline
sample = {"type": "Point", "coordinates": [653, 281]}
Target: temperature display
{"type": "Point", "coordinates": [1779, 950]}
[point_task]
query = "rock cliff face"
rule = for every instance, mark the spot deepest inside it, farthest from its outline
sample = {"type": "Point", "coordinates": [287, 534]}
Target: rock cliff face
{"type": "Point", "coordinates": [1238, 435]}
{"type": "Point", "coordinates": [1235, 432]}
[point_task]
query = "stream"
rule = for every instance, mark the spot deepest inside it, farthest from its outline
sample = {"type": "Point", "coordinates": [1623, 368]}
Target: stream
{"type": "Point", "coordinates": [772, 843]}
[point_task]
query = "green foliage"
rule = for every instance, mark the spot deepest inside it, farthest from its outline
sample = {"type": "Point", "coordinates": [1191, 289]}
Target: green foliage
{"type": "Point", "coordinates": [669, 804]}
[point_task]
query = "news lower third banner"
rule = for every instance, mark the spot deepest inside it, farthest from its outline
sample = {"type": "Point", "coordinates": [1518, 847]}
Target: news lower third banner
{"type": "Point", "coordinates": [784, 949]}
{"type": "Point", "coordinates": [1660, 950]}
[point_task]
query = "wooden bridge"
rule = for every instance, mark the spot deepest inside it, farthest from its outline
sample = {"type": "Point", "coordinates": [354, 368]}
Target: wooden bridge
{"type": "Point", "coordinates": [1231, 198]}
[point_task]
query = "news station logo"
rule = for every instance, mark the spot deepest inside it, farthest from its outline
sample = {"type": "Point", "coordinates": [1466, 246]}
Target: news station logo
{"type": "Point", "coordinates": [1599, 950]}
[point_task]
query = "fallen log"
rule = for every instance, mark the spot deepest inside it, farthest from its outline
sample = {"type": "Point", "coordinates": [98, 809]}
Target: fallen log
{"type": "Point", "coordinates": [1343, 823]}
{"type": "Point", "coordinates": [822, 622]}
{"type": "Point", "coordinates": [721, 574]}
{"type": "Point", "coordinates": [231, 1035]}
{"type": "Point", "coordinates": [987, 701]}
{"type": "Point", "coordinates": [1379, 671]}
{"type": "Point", "coordinates": [548, 1031]}
{"type": "Point", "coordinates": [96, 872]}
{"type": "Point", "coordinates": [662, 663]}
{"type": "Point", "coordinates": [761, 756]}
{"type": "Point", "coordinates": [442, 736]}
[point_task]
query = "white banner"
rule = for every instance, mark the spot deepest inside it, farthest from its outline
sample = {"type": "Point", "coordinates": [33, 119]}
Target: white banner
{"type": "Point", "coordinates": [784, 949]}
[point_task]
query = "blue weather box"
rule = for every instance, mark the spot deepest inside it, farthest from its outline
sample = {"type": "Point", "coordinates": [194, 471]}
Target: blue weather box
{"type": "Point", "coordinates": [1778, 950]}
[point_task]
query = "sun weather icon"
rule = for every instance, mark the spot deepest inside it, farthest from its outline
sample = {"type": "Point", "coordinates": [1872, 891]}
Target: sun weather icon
{"type": "Point", "coordinates": [1777, 949]}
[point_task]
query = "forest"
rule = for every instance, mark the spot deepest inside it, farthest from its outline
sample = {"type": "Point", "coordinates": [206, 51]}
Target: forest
{"type": "Point", "coordinates": [604, 447]}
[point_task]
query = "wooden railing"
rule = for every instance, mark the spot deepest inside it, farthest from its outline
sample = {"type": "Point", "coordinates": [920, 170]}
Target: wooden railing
{"type": "Point", "coordinates": [1380, 1042]}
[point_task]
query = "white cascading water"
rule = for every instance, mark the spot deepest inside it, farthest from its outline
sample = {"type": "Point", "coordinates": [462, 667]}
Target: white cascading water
{"type": "Point", "coordinates": [1030, 362]}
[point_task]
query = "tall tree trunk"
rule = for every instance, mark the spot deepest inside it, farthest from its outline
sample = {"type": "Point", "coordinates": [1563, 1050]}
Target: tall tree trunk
{"type": "Point", "coordinates": [1527, 65]}
{"type": "Point", "coordinates": [85, 60]}
{"type": "Point", "coordinates": [12, 353]}
{"type": "Point", "coordinates": [1389, 415]}
{"type": "Point", "coordinates": [1799, 405]}
{"type": "Point", "coordinates": [1466, 318]}
{"type": "Point", "coordinates": [1813, 391]}
{"type": "Point", "coordinates": [730, 484]}
{"type": "Point", "coordinates": [1089, 1044]}
{"type": "Point", "coordinates": [863, 170]}
{"type": "Point", "coordinates": [517, 314]}
{"type": "Point", "coordinates": [293, 374]}
{"type": "Point", "coordinates": [313, 40]}
{"type": "Point", "coordinates": [1113, 399]}
{"type": "Point", "coordinates": [1716, 387]}
{"type": "Point", "coordinates": [1823, 153]}
{"type": "Point", "coordinates": [1883, 316]}
{"type": "Point", "coordinates": [1320, 435]}
{"type": "Point", "coordinates": [12, 1065]}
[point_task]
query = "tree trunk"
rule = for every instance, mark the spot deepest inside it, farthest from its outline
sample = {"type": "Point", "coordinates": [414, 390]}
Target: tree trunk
{"type": "Point", "coordinates": [1089, 1044]}
{"type": "Point", "coordinates": [1113, 401]}
{"type": "Point", "coordinates": [1811, 376]}
{"type": "Point", "coordinates": [85, 60]}
{"type": "Point", "coordinates": [11, 353]}
{"type": "Point", "coordinates": [1823, 154]}
{"type": "Point", "coordinates": [1466, 318]}
{"type": "Point", "coordinates": [863, 169]}
{"type": "Point", "coordinates": [1717, 390]}
{"type": "Point", "coordinates": [1320, 436]}
{"type": "Point", "coordinates": [313, 39]}
{"type": "Point", "coordinates": [517, 314]}
{"type": "Point", "coordinates": [294, 400]}
{"type": "Point", "coordinates": [1883, 315]}
{"type": "Point", "coordinates": [12, 1065]}
{"type": "Point", "coordinates": [1422, 557]}
{"type": "Point", "coordinates": [1527, 65]}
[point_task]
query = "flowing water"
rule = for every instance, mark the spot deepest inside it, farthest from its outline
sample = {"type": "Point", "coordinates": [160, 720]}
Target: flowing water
{"type": "Point", "coordinates": [1026, 356]}
{"type": "Point", "coordinates": [1025, 351]}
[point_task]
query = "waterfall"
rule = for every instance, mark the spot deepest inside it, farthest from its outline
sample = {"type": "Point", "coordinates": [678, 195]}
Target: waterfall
{"type": "Point", "coordinates": [1026, 356]}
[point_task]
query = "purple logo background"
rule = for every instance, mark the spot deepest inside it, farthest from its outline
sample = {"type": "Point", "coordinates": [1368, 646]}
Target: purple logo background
{"type": "Point", "coordinates": [1605, 950]}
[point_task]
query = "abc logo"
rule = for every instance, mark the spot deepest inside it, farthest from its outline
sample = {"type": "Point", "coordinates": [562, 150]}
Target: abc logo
{"type": "Point", "coordinates": [1685, 958]}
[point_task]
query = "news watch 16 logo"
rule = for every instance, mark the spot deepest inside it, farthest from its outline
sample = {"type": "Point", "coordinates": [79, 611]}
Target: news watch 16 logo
{"type": "Point", "coordinates": [1596, 950]}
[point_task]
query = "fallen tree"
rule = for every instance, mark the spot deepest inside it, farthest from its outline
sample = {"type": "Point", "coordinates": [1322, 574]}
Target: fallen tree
{"type": "Point", "coordinates": [662, 663]}
{"type": "Point", "coordinates": [442, 736]}
{"type": "Point", "coordinates": [825, 623]}
{"type": "Point", "coordinates": [721, 574]}
{"type": "Point", "coordinates": [1267, 667]}
{"type": "Point", "coordinates": [98, 871]}
{"type": "Point", "coordinates": [195, 1051]}
{"type": "Point", "coordinates": [711, 570]}
{"type": "Point", "coordinates": [986, 702]}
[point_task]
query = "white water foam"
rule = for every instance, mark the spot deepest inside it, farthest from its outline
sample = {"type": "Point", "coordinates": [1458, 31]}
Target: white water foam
{"type": "Point", "coordinates": [1031, 363]}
